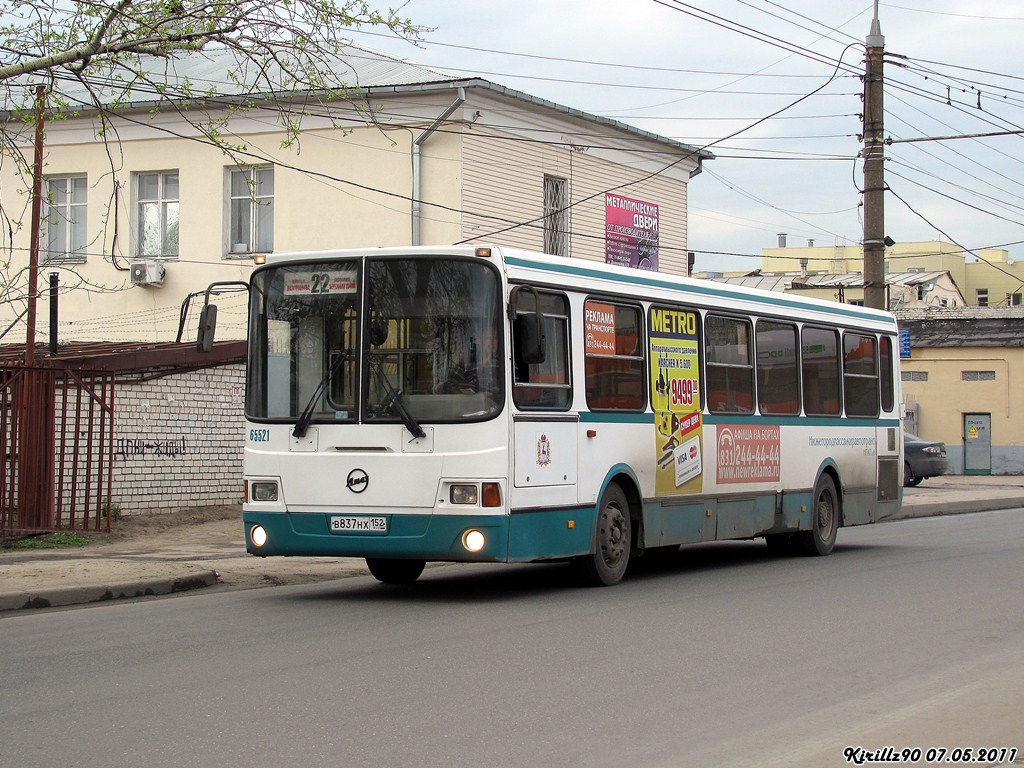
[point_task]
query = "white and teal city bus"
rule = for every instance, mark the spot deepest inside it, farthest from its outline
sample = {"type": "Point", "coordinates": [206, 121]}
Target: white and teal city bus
{"type": "Point", "coordinates": [408, 405]}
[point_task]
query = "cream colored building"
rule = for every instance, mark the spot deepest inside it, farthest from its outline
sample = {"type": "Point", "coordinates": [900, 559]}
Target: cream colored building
{"type": "Point", "coordinates": [136, 223]}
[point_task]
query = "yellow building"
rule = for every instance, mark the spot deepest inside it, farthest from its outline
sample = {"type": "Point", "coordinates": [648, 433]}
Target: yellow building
{"type": "Point", "coordinates": [991, 278]}
{"type": "Point", "coordinates": [962, 384]}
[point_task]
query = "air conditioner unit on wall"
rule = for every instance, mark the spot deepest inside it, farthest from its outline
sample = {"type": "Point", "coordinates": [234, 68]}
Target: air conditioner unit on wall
{"type": "Point", "coordinates": [147, 273]}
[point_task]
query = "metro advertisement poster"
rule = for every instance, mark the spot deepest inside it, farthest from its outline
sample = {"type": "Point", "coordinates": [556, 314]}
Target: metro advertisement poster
{"type": "Point", "coordinates": [675, 396]}
{"type": "Point", "coordinates": [631, 232]}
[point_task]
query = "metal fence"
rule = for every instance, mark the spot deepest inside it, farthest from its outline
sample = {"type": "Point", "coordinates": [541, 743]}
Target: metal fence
{"type": "Point", "coordinates": [57, 445]}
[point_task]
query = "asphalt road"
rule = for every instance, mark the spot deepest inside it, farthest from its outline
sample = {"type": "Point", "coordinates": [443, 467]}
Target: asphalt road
{"type": "Point", "coordinates": [911, 635]}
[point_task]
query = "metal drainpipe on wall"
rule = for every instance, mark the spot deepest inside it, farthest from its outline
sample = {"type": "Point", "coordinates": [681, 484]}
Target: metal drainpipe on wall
{"type": "Point", "coordinates": [416, 144]}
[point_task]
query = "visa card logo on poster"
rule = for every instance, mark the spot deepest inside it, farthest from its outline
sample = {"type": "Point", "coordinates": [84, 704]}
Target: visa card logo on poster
{"type": "Point", "coordinates": [631, 232]}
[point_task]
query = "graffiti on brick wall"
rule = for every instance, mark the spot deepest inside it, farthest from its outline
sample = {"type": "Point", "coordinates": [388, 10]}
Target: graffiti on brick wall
{"type": "Point", "coordinates": [129, 448]}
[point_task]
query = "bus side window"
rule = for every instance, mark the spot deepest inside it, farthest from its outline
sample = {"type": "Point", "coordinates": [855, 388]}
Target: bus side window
{"type": "Point", "coordinates": [888, 374]}
{"type": "Point", "coordinates": [730, 368]}
{"type": "Point", "coordinates": [614, 360]}
{"type": "Point", "coordinates": [860, 375]}
{"type": "Point", "coordinates": [541, 381]}
{"type": "Point", "coordinates": [819, 360]}
{"type": "Point", "coordinates": [778, 385]}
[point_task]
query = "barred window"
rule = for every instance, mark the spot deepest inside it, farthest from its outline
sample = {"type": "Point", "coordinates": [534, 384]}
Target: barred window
{"type": "Point", "coordinates": [914, 375]}
{"type": "Point", "coordinates": [556, 216]}
{"type": "Point", "coordinates": [977, 375]}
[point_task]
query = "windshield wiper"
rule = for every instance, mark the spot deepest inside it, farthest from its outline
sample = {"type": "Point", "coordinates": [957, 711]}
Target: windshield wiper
{"type": "Point", "coordinates": [307, 413]}
{"type": "Point", "coordinates": [393, 398]}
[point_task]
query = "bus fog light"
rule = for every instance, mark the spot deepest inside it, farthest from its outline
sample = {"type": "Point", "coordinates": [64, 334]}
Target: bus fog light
{"type": "Point", "coordinates": [463, 494]}
{"type": "Point", "coordinates": [473, 540]}
{"type": "Point", "coordinates": [258, 535]}
{"type": "Point", "coordinates": [264, 491]}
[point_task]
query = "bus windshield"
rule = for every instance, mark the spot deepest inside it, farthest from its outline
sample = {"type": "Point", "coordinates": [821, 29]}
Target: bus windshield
{"type": "Point", "coordinates": [385, 340]}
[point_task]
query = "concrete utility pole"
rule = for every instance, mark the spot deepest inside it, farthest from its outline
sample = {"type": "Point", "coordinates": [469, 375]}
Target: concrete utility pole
{"type": "Point", "coordinates": [874, 171]}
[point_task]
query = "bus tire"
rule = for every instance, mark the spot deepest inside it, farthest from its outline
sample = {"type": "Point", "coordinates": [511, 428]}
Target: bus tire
{"type": "Point", "coordinates": [824, 521]}
{"type": "Point", "coordinates": [389, 571]}
{"type": "Point", "coordinates": [606, 565]}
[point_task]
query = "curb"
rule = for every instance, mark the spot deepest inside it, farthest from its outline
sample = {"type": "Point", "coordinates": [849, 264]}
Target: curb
{"type": "Point", "coordinates": [956, 508]}
{"type": "Point", "coordinates": [63, 596]}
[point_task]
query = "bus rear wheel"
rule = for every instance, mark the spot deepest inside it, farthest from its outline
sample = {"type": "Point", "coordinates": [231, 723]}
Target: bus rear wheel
{"type": "Point", "coordinates": [606, 565]}
{"type": "Point", "coordinates": [824, 521]}
{"type": "Point", "coordinates": [395, 571]}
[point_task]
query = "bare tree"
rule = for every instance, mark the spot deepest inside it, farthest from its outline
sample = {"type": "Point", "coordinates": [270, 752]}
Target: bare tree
{"type": "Point", "coordinates": [76, 35]}
{"type": "Point", "coordinates": [97, 57]}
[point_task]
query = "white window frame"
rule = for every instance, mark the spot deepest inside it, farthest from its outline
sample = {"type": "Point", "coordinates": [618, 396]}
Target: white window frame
{"type": "Point", "coordinates": [167, 207]}
{"type": "Point", "coordinates": [257, 202]}
{"type": "Point", "coordinates": [72, 214]}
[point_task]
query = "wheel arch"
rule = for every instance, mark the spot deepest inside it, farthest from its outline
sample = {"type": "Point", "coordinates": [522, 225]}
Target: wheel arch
{"type": "Point", "coordinates": [828, 467]}
{"type": "Point", "coordinates": [624, 477]}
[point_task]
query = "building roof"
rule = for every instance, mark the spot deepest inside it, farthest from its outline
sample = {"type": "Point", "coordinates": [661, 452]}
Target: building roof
{"type": "Point", "coordinates": [223, 75]}
{"type": "Point", "coordinates": [963, 326]}
{"type": "Point", "coordinates": [819, 280]}
{"type": "Point", "coordinates": [126, 357]}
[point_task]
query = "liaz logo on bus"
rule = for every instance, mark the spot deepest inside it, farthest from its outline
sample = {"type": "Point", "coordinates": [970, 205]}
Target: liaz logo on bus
{"type": "Point", "coordinates": [357, 481]}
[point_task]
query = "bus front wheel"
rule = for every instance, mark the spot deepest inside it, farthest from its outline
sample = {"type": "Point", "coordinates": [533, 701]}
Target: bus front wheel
{"type": "Point", "coordinates": [824, 521]}
{"type": "Point", "coordinates": [395, 571]}
{"type": "Point", "coordinates": [606, 565]}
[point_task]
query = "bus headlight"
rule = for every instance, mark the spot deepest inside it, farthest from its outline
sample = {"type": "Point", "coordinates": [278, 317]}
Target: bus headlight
{"type": "Point", "coordinates": [463, 494]}
{"type": "Point", "coordinates": [264, 491]}
{"type": "Point", "coordinates": [473, 540]}
{"type": "Point", "coordinates": [258, 535]}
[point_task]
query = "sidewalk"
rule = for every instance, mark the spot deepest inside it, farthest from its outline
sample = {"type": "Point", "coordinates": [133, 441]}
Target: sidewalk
{"type": "Point", "coordinates": [212, 554]}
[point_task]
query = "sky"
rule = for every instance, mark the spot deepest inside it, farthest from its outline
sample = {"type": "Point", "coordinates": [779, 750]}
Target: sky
{"type": "Point", "coordinates": [709, 73]}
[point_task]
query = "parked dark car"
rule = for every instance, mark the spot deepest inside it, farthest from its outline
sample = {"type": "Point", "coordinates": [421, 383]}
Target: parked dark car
{"type": "Point", "coordinates": [922, 458]}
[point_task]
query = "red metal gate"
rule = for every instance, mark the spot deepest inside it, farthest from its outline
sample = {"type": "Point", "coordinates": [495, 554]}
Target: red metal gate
{"type": "Point", "coordinates": [57, 446]}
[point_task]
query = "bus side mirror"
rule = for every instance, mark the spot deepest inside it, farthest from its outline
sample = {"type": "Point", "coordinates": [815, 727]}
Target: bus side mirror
{"type": "Point", "coordinates": [529, 339]}
{"type": "Point", "coordinates": [207, 328]}
{"type": "Point", "coordinates": [527, 328]}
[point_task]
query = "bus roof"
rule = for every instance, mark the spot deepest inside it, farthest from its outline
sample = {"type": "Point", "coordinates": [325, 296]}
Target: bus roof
{"type": "Point", "coordinates": [596, 277]}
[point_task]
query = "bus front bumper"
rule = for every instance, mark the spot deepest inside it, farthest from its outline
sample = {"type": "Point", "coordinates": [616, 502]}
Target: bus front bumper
{"type": "Point", "coordinates": [472, 538]}
{"type": "Point", "coordinates": [550, 534]}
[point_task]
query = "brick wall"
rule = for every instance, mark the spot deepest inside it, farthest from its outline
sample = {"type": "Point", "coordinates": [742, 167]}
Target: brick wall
{"type": "Point", "coordinates": [178, 441]}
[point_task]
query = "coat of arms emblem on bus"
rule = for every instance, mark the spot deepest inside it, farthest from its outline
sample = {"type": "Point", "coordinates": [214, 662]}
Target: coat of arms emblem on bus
{"type": "Point", "coordinates": [543, 450]}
